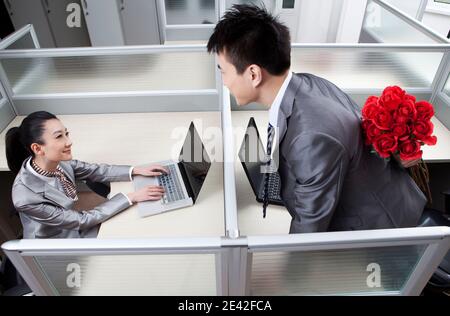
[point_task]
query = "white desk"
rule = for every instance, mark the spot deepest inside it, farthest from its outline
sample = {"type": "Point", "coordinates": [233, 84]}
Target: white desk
{"type": "Point", "coordinates": [140, 138]}
{"type": "Point", "coordinates": [277, 221]}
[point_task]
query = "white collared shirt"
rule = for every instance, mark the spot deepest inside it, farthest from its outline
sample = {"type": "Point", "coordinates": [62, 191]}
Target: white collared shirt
{"type": "Point", "coordinates": [275, 107]}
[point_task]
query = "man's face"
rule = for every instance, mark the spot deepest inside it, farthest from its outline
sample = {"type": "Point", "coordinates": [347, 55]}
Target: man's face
{"type": "Point", "coordinates": [240, 85]}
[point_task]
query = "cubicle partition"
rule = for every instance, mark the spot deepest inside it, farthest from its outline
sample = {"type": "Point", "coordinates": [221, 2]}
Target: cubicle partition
{"type": "Point", "coordinates": [384, 22]}
{"type": "Point", "coordinates": [112, 79]}
{"type": "Point", "coordinates": [362, 70]}
{"type": "Point", "coordinates": [384, 262]}
{"type": "Point", "coordinates": [24, 38]}
{"type": "Point", "coordinates": [171, 266]}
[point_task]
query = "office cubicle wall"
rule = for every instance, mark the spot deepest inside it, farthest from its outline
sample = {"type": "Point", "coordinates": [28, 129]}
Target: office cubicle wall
{"type": "Point", "coordinates": [23, 38]}
{"type": "Point", "coordinates": [383, 262]}
{"type": "Point", "coordinates": [362, 70]}
{"type": "Point", "coordinates": [231, 220]}
{"type": "Point", "coordinates": [181, 20]}
{"type": "Point", "coordinates": [441, 92]}
{"type": "Point", "coordinates": [170, 266]}
{"type": "Point", "coordinates": [112, 79]}
{"type": "Point", "coordinates": [385, 23]}
{"type": "Point", "coordinates": [414, 8]}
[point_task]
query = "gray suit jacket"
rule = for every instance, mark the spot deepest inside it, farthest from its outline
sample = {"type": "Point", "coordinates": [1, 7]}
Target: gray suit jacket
{"type": "Point", "coordinates": [330, 181]}
{"type": "Point", "coordinates": [46, 212]}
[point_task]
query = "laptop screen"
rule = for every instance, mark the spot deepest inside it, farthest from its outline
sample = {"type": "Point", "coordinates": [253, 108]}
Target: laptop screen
{"type": "Point", "coordinates": [195, 161]}
{"type": "Point", "coordinates": [252, 155]}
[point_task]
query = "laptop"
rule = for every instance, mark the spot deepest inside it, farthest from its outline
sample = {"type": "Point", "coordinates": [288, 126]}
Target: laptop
{"type": "Point", "coordinates": [183, 182]}
{"type": "Point", "coordinates": [252, 156]}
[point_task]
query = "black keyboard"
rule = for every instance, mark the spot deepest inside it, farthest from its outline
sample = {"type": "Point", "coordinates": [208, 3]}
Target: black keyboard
{"type": "Point", "coordinates": [274, 186]}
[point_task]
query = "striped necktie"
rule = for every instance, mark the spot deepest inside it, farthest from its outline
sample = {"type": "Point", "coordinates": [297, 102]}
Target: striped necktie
{"type": "Point", "coordinates": [270, 136]}
{"type": "Point", "coordinates": [68, 186]}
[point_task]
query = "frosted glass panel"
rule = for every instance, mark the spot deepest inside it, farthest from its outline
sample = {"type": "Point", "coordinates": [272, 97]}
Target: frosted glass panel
{"type": "Point", "coordinates": [350, 69]}
{"type": "Point", "coordinates": [411, 7]}
{"type": "Point", "coordinates": [447, 87]}
{"type": "Point", "coordinates": [24, 42]}
{"type": "Point", "coordinates": [167, 71]}
{"type": "Point", "coordinates": [190, 12]}
{"type": "Point", "coordinates": [334, 272]}
{"type": "Point", "coordinates": [181, 274]}
{"type": "Point", "coordinates": [385, 27]}
{"type": "Point", "coordinates": [6, 116]}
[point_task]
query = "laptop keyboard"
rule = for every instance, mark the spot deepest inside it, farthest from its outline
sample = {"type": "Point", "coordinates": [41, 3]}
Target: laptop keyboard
{"type": "Point", "coordinates": [274, 187]}
{"type": "Point", "coordinates": [172, 186]}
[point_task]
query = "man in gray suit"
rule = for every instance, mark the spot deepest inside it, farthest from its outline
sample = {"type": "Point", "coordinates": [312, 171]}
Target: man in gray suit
{"type": "Point", "coordinates": [329, 179]}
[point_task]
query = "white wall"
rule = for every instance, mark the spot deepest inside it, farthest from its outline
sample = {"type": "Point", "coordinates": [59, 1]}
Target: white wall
{"type": "Point", "coordinates": [438, 22]}
{"type": "Point", "coordinates": [329, 21]}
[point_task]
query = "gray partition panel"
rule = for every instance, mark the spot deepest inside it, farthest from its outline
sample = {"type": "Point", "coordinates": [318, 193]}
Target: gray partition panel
{"type": "Point", "coordinates": [119, 104]}
{"type": "Point", "coordinates": [442, 109]}
{"type": "Point", "coordinates": [6, 114]}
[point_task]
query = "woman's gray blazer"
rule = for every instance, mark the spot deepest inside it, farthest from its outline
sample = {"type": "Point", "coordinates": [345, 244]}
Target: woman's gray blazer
{"type": "Point", "coordinates": [46, 212]}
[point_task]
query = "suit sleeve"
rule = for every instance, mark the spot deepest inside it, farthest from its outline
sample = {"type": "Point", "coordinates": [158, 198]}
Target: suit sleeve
{"type": "Point", "coordinates": [51, 215]}
{"type": "Point", "coordinates": [319, 163]}
{"type": "Point", "coordinates": [100, 172]}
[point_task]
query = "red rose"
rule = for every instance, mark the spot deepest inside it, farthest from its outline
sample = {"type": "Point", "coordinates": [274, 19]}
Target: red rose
{"type": "Point", "coordinates": [392, 97]}
{"type": "Point", "coordinates": [383, 119]}
{"type": "Point", "coordinates": [400, 119]}
{"type": "Point", "coordinates": [422, 129]}
{"type": "Point", "coordinates": [410, 97]}
{"type": "Point", "coordinates": [385, 145]}
{"type": "Point", "coordinates": [401, 131]}
{"type": "Point", "coordinates": [432, 140]}
{"type": "Point", "coordinates": [424, 110]}
{"type": "Point", "coordinates": [370, 108]}
{"type": "Point", "coordinates": [371, 131]}
{"type": "Point", "coordinates": [408, 109]}
{"type": "Point", "coordinates": [410, 150]}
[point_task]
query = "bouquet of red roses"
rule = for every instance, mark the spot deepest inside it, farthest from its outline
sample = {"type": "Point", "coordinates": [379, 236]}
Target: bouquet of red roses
{"type": "Point", "coordinates": [395, 124]}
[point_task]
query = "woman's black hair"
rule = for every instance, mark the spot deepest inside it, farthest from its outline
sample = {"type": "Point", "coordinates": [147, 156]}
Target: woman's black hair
{"type": "Point", "coordinates": [248, 34]}
{"type": "Point", "coordinates": [19, 139]}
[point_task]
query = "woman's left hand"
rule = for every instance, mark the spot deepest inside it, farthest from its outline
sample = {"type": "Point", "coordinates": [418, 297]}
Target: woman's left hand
{"type": "Point", "coordinates": [150, 171]}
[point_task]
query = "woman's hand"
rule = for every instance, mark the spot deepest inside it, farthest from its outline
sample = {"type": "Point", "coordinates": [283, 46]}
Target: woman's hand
{"type": "Point", "coordinates": [148, 193]}
{"type": "Point", "coordinates": [150, 171]}
{"type": "Point", "coordinates": [407, 163]}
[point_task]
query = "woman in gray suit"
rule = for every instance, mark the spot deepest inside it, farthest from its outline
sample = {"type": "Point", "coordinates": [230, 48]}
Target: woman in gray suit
{"type": "Point", "coordinates": [44, 191]}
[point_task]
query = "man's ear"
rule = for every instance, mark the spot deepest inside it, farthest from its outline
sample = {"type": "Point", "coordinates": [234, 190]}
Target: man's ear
{"type": "Point", "coordinates": [37, 149]}
{"type": "Point", "coordinates": [255, 74]}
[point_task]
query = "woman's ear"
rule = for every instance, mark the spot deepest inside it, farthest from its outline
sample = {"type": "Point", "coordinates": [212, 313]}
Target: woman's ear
{"type": "Point", "coordinates": [37, 149]}
{"type": "Point", "coordinates": [255, 73]}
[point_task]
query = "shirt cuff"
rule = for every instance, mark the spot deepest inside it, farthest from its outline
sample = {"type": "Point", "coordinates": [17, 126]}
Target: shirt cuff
{"type": "Point", "coordinates": [129, 201]}
{"type": "Point", "coordinates": [131, 173]}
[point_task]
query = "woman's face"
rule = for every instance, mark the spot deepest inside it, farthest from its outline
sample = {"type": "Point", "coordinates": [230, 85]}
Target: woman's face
{"type": "Point", "coordinates": [57, 144]}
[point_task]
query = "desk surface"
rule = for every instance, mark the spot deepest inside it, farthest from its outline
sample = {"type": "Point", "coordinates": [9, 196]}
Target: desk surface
{"type": "Point", "coordinates": [140, 138]}
{"type": "Point", "coordinates": [278, 220]}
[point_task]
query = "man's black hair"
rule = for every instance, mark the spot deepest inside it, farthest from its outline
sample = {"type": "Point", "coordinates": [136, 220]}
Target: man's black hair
{"type": "Point", "coordinates": [248, 34]}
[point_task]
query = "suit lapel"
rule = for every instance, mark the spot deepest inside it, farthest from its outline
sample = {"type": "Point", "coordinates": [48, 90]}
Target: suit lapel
{"type": "Point", "coordinates": [286, 106]}
{"type": "Point", "coordinates": [57, 196]}
{"type": "Point", "coordinates": [38, 185]}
